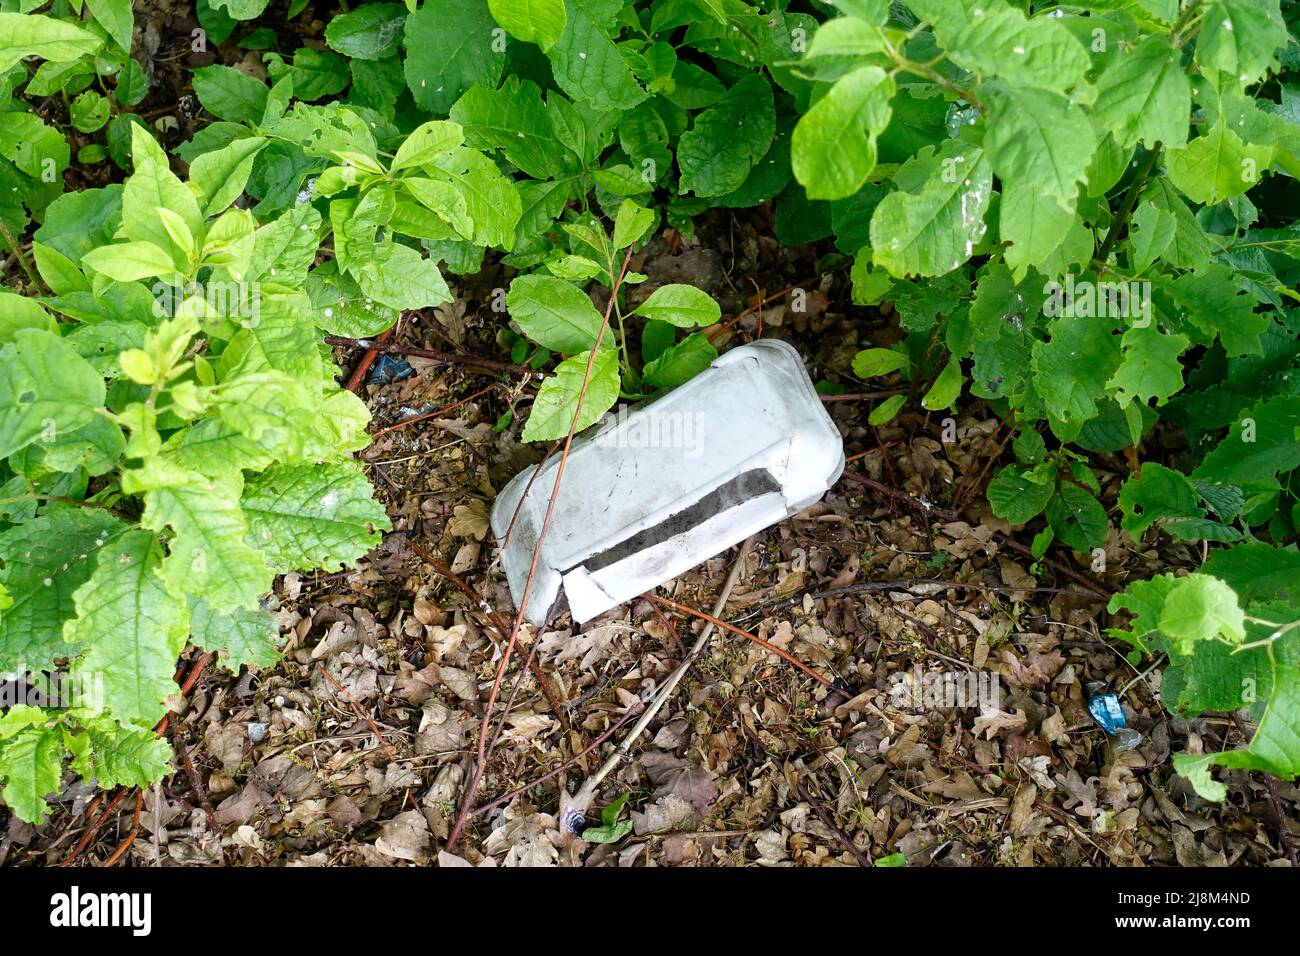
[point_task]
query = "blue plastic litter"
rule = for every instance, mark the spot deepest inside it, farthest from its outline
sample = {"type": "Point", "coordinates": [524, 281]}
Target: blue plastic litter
{"type": "Point", "coordinates": [389, 369]}
{"type": "Point", "coordinates": [1107, 712]}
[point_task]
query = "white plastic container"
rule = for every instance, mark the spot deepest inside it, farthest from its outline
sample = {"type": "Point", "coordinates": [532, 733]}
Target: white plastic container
{"type": "Point", "coordinates": [652, 491]}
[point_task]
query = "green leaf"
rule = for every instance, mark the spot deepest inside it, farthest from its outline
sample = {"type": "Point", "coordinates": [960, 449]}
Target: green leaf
{"type": "Point", "coordinates": [931, 227]}
{"type": "Point", "coordinates": [45, 560]}
{"type": "Point", "coordinates": [131, 261]}
{"type": "Point", "coordinates": [31, 765]}
{"type": "Point", "coordinates": [946, 388]}
{"type": "Point", "coordinates": [1257, 571]}
{"type": "Point", "coordinates": [684, 306]}
{"type": "Point", "coordinates": [118, 756]}
{"type": "Point", "coordinates": [399, 277]}
{"type": "Point", "coordinates": [1019, 494]}
{"type": "Point", "coordinates": [450, 47]}
{"type": "Point", "coordinates": [222, 174]}
{"type": "Point", "coordinates": [886, 410]}
{"type": "Point", "coordinates": [426, 143]}
{"type": "Point", "coordinates": [369, 32]}
{"type": "Point", "coordinates": [728, 139]}
{"type": "Point", "coordinates": [133, 626]}
{"type": "Point", "coordinates": [514, 120]}
{"type": "Point", "coordinates": [242, 636]}
{"type": "Point", "coordinates": [1035, 52]}
{"type": "Point", "coordinates": [833, 151]}
{"type": "Point", "coordinates": [88, 112]}
{"type": "Point", "coordinates": [24, 35]}
{"type": "Point", "coordinates": [1150, 367]}
{"type": "Point", "coordinates": [115, 17]}
{"type": "Point", "coordinates": [46, 390]}
{"type": "Point", "coordinates": [872, 362]}
{"type": "Point", "coordinates": [313, 516]}
{"type": "Point", "coordinates": [610, 830]}
{"type": "Point", "coordinates": [1241, 38]}
{"type": "Point", "coordinates": [533, 21]}
{"type": "Point", "coordinates": [1077, 518]}
{"type": "Point", "coordinates": [1201, 608]}
{"type": "Point", "coordinates": [587, 65]}
{"type": "Point", "coordinates": [1144, 96]}
{"type": "Point", "coordinates": [230, 94]}
{"type": "Point", "coordinates": [1156, 494]}
{"type": "Point", "coordinates": [630, 223]}
{"type": "Point", "coordinates": [554, 313]}
{"type": "Point", "coordinates": [208, 556]}
{"type": "Point", "coordinates": [1260, 444]}
{"type": "Point", "coordinates": [152, 186]}
{"type": "Point", "coordinates": [1217, 165]}
{"type": "Point", "coordinates": [681, 362]}
{"type": "Point", "coordinates": [1037, 138]}
{"type": "Point", "coordinates": [557, 399]}
{"type": "Point", "coordinates": [1071, 371]}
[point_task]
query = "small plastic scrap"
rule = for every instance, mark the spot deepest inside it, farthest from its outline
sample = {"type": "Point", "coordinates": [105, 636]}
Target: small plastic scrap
{"type": "Point", "coordinates": [389, 369]}
{"type": "Point", "coordinates": [1109, 715]}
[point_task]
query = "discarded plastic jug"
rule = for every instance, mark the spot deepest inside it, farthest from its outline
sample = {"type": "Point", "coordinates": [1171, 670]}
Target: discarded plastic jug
{"type": "Point", "coordinates": [655, 490]}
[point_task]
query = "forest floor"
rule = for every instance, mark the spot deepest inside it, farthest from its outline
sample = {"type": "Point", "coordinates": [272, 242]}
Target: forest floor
{"type": "Point", "coordinates": [899, 584]}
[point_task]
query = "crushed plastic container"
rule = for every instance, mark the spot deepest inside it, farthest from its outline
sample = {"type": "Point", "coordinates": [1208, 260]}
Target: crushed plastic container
{"type": "Point", "coordinates": [654, 490]}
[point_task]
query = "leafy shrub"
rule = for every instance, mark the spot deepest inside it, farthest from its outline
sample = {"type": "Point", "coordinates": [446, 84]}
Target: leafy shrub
{"type": "Point", "coordinates": [1063, 200]}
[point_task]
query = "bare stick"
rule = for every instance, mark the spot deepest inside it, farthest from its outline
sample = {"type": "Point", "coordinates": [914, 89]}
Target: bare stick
{"type": "Point", "coordinates": [484, 751]}
{"type": "Point", "coordinates": [582, 799]}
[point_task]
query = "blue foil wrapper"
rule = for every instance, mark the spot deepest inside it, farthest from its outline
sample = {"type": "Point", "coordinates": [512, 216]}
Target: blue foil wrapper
{"type": "Point", "coordinates": [1107, 712]}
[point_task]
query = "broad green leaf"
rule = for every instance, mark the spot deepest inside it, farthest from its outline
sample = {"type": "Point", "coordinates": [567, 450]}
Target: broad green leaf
{"type": "Point", "coordinates": [557, 400]}
{"type": "Point", "coordinates": [153, 185]}
{"type": "Point", "coordinates": [46, 390]}
{"type": "Point", "coordinates": [208, 556]}
{"type": "Point", "coordinates": [131, 261]}
{"type": "Point", "coordinates": [450, 46]}
{"type": "Point", "coordinates": [221, 175]}
{"type": "Point", "coordinates": [681, 362]}
{"type": "Point", "coordinates": [24, 35]}
{"type": "Point", "coordinates": [31, 766]}
{"type": "Point", "coordinates": [1258, 571]}
{"type": "Point", "coordinates": [833, 151]}
{"type": "Point", "coordinates": [1077, 518]}
{"type": "Point", "coordinates": [884, 412]}
{"type": "Point", "coordinates": [554, 313]}
{"type": "Point", "coordinates": [1152, 232]}
{"type": "Point", "coordinates": [728, 138]}
{"type": "Point", "coordinates": [946, 388]}
{"type": "Point", "coordinates": [1145, 97]}
{"type": "Point", "coordinates": [1149, 367]}
{"type": "Point", "coordinates": [1042, 235]}
{"type": "Point", "coordinates": [1037, 138]}
{"type": "Point", "coordinates": [313, 516]}
{"type": "Point", "coordinates": [1260, 444]}
{"type": "Point", "coordinates": [872, 362]}
{"type": "Point", "coordinates": [1158, 493]}
{"type": "Point", "coordinates": [1201, 608]}
{"type": "Point", "coordinates": [1035, 52]}
{"type": "Point", "coordinates": [630, 223]}
{"type": "Point", "coordinates": [1241, 38]}
{"type": "Point", "coordinates": [533, 21]}
{"type": "Point", "coordinates": [242, 636]}
{"type": "Point", "coordinates": [1071, 370]}
{"type": "Point", "coordinates": [133, 626]}
{"type": "Point", "coordinates": [370, 32]}
{"type": "Point", "coordinates": [931, 228]}
{"type": "Point", "coordinates": [115, 17]}
{"type": "Point", "coordinates": [684, 306]}
{"type": "Point", "coordinates": [401, 278]}
{"type": "Point", "coordinates": [1019, 494]}
{"type": "Point", "coordinates": [587, 65]}
{"type": "Point", "coordinates": [118, 756]}
{"type": "Point", "coordinates": [491, 199]}
{"type": "Point", "coordinates": [230, 94]}
{"type": "Point", "coordinates": [1217, 165]}
{"type": "Point", "coordinates": [45, 560]}
{"type": "Point", "coordinates": [514, 120]}
{"type": "Point", "coordinates": [428, 142]}
{"type": "Point", "coordinates": [18, 312]}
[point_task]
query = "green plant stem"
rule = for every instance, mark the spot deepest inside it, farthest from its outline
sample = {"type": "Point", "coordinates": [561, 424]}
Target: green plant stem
{"type": "Point", "coordinates": [22, 257]}
{"type": "Point", "coordinates": [1135, 188]}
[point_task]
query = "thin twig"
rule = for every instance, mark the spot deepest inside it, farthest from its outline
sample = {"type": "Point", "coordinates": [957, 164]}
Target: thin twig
{"type": "Point", "coordinates": [374, 727]}
{"type": "Point", "coordinates": [483, 750]}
